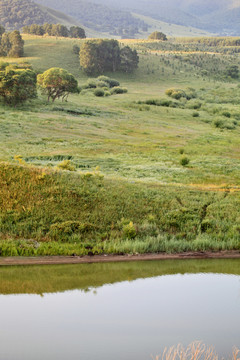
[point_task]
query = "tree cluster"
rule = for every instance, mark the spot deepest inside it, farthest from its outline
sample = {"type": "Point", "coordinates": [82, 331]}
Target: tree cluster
{"type": "Point", "coordinates": [15, 14]}
{"type": "Point", "coordinates": [100, 17]}
{"type": "Point", "coordinates": [11, 44]}
{"type": "Point", "coordinates": [99, 56]}
{"type": "Point", "coordinates": [55, 30]}
{"type": "Point", "coordinates": [17, 84]}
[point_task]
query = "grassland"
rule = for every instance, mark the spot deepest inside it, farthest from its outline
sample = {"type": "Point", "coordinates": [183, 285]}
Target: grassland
{"type": "Point", "coordinates": [129, 192]}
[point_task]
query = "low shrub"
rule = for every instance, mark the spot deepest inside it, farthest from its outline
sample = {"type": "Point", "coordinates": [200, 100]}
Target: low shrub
{"type": "Point", "coordinates": [184, 161]}
{"type": "Point", "coordinates": [66, 165]}
{"type": "Point", "coordinates": [223, 124]}
{"type": "Point", "coordinates": [62, 230]}
{"type": "Point", "coordinates": [227, 114]}
{"type": "Point", "coordinates": [129, 231]}
{"type": "Point", "coordinates": [118, 90]}
{"type": "Point", "coordinates": [99, 92]}
{"type": "Point", "coordinates": [195, 114]}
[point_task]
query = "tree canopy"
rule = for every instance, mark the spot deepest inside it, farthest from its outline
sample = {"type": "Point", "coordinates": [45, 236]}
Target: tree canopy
{"type": "Point", "coordinates": [55, 30]}
{"type": "Point", "coordinates": [57, 83]}
{"type": "Point", "coordinates": [99, 56]}
{"type": "Point", "coordinates": [11, 44]}
{"type": "Point", "coordinates": [15, 14]}
{"type": "Point", "coordinates": [157, 35]}
{"type": "Point", "coordinates": [17, 84]}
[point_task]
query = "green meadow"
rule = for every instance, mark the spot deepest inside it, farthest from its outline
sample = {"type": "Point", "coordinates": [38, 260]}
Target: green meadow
{"type": "Point", "coordinates": [152, 172]}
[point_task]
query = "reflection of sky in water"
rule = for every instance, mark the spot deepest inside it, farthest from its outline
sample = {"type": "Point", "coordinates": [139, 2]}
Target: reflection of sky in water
{"type": "Point", "coordinates": [125, 321]}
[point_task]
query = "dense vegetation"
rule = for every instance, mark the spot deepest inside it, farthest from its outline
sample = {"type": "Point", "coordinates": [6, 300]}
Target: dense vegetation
{"type": "Point", "coordinates": [99, 56]}
{"type": "Point", "coordinates": [99, 17]}
{"type": "Point", "coordinates": [55, 30]}
{"type": "Point", "coordinates": [11, 44]}
{"type": "Point", "coordinates": [15, 14]}
{"type": "Point", "coordinates": [17, 84]}
{"type": "Point", "coordinates": [157, 35]}
{"type": "Point", "coordinates": [156, 169]}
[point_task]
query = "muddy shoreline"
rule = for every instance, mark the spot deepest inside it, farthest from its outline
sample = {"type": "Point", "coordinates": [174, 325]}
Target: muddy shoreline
{"type": "Point", "coordinates": [55, 260]}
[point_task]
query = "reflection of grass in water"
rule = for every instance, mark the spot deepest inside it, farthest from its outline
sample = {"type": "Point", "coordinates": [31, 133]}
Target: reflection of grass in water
{"type": "Point", "coordinates": [194, 351]}
{"type": "Point", "coordinates": [49, 279]}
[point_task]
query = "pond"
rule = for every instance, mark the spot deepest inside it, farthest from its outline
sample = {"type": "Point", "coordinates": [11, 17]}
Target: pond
{"type": "Point", "coordinates": [118, 311]}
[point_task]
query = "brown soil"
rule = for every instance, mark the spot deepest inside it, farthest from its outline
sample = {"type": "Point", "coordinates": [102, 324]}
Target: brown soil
{"type": "Point", "coordinates": [54, 260]}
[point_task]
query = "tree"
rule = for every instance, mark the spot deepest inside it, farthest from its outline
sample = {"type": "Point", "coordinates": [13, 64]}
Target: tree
{"type": "Point", "coordinates": [77, 32]}
{"type": "Point", "coordinates": [98, 56]}
{"type": "Point", "coordinates": [129, 59]}
{"type": "Point", "coordinates": [17, 44]}
{"type": "Point", "coordinates": [11, 44]}
{"type": "Point", "coordinates": [157, 35]}
{"type": "Point", "coordinates": [16, 84]}
{"type": "Point", "coordinates": [57, 83]}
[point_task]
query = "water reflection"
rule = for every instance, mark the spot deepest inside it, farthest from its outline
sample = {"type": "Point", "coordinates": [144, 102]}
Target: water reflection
{"type": "Point", "coordinates": [120, 319]}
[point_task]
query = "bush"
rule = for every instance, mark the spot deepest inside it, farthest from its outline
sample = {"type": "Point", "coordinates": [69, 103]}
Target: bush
{"type": "Point", "coordinates": [99, 92]}
{"type": "Point", "coordinates": [118, 90]}
{"type": "Point", "coordinates": [184, 161]}
{"type": "Point", "coordinates": [110, 82]}
{"type": "Point", "coordinates": [129, 231]}
{"type": "Point", "coordinates": [222, 124]}
{"type": "Point", "coordinates": [66, 165]}
{"type": "Point", "coordinates": [62, 230]}
{"type": "Point", "coordinates": [195, 114]}
{"type": "Point", "coordinates": [226, 114]}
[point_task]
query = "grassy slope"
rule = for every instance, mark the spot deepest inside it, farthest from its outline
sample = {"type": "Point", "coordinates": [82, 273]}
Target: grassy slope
{"type": "Point", "coordinates": [168, 29]}
{"type": "Point", "coordinates": [173, 208]}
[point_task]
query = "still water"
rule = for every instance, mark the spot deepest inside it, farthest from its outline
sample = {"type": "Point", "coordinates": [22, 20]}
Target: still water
{"type": "Point", "coordinates": [121, 311]}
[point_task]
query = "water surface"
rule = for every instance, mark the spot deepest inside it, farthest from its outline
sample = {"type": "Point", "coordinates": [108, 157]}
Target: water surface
{"type": "Point", "coordinates": [119, 311]}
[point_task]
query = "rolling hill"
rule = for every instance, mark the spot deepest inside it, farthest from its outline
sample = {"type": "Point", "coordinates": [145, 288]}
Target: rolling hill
{"type": "Point", "coordinates": [14, 14]}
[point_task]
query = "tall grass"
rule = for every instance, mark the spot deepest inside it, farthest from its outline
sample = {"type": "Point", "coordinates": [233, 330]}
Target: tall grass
{"type": "Point", "coordinates": [194, 351]}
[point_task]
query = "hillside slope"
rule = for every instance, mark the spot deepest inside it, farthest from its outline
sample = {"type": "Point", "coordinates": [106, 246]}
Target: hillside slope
{"type": "Point", "coordinates": [14, 14]}
{"type": "Point", "coordinates": [99, 17]}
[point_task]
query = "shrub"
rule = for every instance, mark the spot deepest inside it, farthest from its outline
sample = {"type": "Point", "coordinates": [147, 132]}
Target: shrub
{"type": "Point", "coordinates": [226, 114]}
{"type": "Point", "coordinates": [129, 231]}
{"type": "Point", "coordinates": [66, 165]}
{"type": "Point", "coordinates": [181, 151]}
{"type": "Point", "coordinates": [118, 90]}
{"type": "Point", "coordinates": [184, 161]}
{"type": "Point", "coordinates": [99, 92]}
{"type": "Point", "coordinates": [195, 114]}
{"type": "Point", "coordinates": [61, 230]}
{"type": "Point", "coordinates": [101, 84]}
{"type": "Point", "coordinates": [111, 82]}
{"type": "Point", "coordinates": [222, 124]}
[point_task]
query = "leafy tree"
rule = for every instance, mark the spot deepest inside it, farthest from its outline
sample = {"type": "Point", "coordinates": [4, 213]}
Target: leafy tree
{"type": "Point", "coordinates": [11, 44]}
{"type": "Point", "coordinates": [98, 56]}
{"type": "Point", "coordinates": [54, 30]}
{"type": "Point", "coordinates": [16, 84]}
{"type": "Point", "coordinates": [57, 83]}
{"type": "Point", "coordinates": [17, 44]}
{"type": "Point", "coordinates": [77, 32]}
{"type": "Point", "coordinates": [129, 59]}
{"type": "Point", "coordinates": [157, 35]}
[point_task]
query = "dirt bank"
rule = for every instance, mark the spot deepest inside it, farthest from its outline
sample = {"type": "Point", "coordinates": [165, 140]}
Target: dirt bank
{"type": "Point", "coordinates": [54, 260]}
